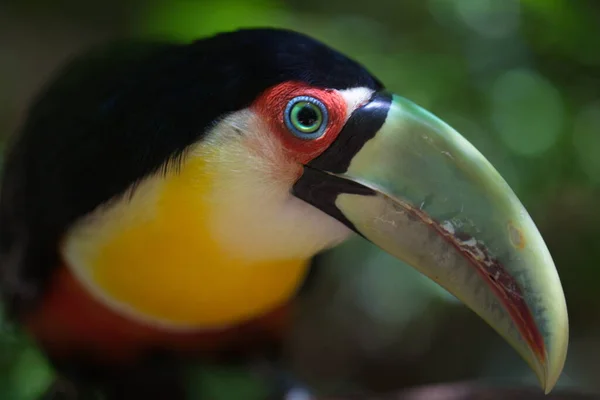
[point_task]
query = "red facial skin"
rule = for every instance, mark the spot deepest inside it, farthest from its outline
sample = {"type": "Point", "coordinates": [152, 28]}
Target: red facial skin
{"type": "Point", "coordinates": [271, 107]}
{"type": "Point", "coordinates": [71, 322]}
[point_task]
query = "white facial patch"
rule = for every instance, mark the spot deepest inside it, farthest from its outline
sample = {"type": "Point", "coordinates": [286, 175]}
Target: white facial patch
{"type": "Point", "coordinates": [254, 193]}
{"type": "Point", "coordinates": [183, 250]}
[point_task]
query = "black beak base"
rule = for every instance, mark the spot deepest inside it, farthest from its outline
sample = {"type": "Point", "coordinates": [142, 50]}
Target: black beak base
{"type": "Point", "coordinates": [321, 183]}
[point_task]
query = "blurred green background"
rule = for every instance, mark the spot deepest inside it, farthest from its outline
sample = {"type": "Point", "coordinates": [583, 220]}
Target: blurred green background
{"type": "Point", "coordinates": [520, 79]}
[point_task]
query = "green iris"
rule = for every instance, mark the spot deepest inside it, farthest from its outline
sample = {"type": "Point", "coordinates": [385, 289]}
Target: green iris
{"type": "Point", "coordinates": [306, 117]}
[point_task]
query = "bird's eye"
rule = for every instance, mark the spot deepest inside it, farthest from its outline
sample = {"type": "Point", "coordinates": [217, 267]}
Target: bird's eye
{"type": "Point", "coordinates": [306, 117]}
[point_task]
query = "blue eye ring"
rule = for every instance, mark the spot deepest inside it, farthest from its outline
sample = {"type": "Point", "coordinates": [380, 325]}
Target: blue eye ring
{"type": "Point", "coordinates": [306, 117]}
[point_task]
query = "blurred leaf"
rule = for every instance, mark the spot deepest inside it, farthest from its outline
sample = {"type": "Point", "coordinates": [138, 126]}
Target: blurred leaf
{"type": "Point", "coordinates": [31, 375]}
{"type": "Point", "coordinates": [224, 383]}
{"type": "Point", "coordinates": [188, 20]}
{"type": "Point", "coordinates": [565, 27]}
{"type": "Point", "coordinates": [527, 111]}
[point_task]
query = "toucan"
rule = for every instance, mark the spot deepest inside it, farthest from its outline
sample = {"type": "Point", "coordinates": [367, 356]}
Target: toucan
{"type": "Point", "coordinates": [164, 201]}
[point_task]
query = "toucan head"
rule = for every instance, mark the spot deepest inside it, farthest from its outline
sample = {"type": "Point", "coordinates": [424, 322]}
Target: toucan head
{"type": "Point", "coordinates": [280, 147]}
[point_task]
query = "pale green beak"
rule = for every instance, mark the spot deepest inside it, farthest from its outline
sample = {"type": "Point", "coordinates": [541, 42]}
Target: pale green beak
{"type": "Point", "coordinates": [412, 185]}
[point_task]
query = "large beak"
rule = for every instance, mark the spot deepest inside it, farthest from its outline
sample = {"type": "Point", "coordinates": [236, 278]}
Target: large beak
{"type": "Point", "coordinates": [412, 185]}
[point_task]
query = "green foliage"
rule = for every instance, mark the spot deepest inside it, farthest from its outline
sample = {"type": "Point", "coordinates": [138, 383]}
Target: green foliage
{"type": "Point", "coordinates": [26, 373]}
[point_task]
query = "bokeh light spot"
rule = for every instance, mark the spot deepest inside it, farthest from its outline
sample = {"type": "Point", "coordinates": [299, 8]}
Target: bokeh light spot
{"type": "Point", "coordinates": [31, 374]}
{"type": "Point", "coordinates": [527, 111]}
{"type": "Point", "coordinates": [490, 18]}
{"type": "Point", "coordinates": [586, 139]}
{"type": "Point", "coordinates": [443, 11]}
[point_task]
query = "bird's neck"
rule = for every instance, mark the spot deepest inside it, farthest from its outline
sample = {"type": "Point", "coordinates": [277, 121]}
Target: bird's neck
{"type": "Point", "coordinates": [194, 249]}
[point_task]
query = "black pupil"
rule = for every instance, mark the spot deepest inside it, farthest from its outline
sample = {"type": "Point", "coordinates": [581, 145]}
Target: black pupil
{"type": "Point", "coordinates": [307, 116]}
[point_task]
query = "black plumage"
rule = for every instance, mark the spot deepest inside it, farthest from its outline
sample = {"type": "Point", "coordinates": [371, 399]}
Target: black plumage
{"type": "Point", "coordinates": [121, 112]}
